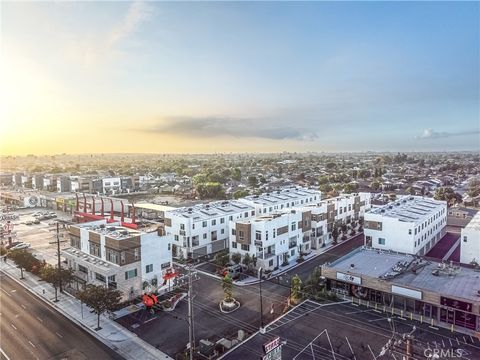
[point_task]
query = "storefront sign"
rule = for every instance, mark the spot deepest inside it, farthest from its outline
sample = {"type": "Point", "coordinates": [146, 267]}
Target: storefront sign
{"type": "Point", "coordinates": [349, 278]}
{"type": "Point", "coordinates": [272, 350]}
{"type": "Point", "coordinates": [415, 294]}
{"type": "Point", "coordinates": [456, 304]}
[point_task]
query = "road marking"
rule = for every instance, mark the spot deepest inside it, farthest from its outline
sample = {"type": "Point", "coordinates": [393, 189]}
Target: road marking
{"type": "Point", "coordinates": [384, 318]}
{"type": "Point", "coordinates": [39, 319]}
{"type": "Point", "coordinates": [3, 353]}
{"type": "Point", "coordinates": [13, 326]}
{"type": "Point", "coordinates": [6, 292]}
{"type": "Point", "coordinates": [350, 346]}
{"type": "Point", "coordinates": [59, 335]}
{"type": "Point", "coordinates": [23, 306]}
{"type": "Point", "coordinates": [31, 343]}
{"type": "Point", "coordinates": [13, 290]}
{"type": "Point", "coordinates": [374, 357]}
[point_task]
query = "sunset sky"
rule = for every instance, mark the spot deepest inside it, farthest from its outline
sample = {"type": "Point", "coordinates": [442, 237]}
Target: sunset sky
{"type": "Point", "coordinates": [89, 77]}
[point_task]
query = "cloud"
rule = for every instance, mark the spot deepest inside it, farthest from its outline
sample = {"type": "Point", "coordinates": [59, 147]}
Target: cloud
{"type": "Point", "coordinates": [137, 13]}
{"type": "Point", "coordinates": [228, 126]}
{"type": "Point", "coordinates": [100, 48]}
{"type": "Point", "coordinates": [433, 134]}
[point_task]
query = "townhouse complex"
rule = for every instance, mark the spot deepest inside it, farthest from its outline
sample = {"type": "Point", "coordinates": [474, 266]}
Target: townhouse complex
{"type": "Point", "coordinates": [411, 225]}
{"type": "Point", "coordinates": [470, 241]}
{"type": "Point", "coordinates": [119, 257]}
{"type": "Point", "coordinates": [274, 238]}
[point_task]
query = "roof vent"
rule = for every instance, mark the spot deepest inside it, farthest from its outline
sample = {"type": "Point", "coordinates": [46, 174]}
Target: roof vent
{"type": "Point", "coordinates": [352, 266]}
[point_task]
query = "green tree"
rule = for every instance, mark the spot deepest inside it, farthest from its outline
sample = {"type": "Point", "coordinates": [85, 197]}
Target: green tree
{"type": "Point", "coordinates": [335, 234]}
{"type": "Point", "coordinates": [375, 185]}
{"type": "Point", "coordinates": [314, 285]}
{"type": "Point", "coordinates": [350, 187]}
{"type": "Point", "coordinates": [221, 259]}
{"type": "Point", "coordinates": [254, 261]}
{"type": "Point", "coordinates": [252, 181]}
{"type": "Point", "coordinates": [210, 190]}
{"type": "Point", "coordinates": [237, 174]}
{"type": "Point", "coordinates": [296, 290]}
{"type": "Point", "coordinates": [325, 188]}
{"type": "Point", "coordinates": [100, 299]}
{"type": "Point", "coordinates": [247, 260]}
{"type": "Point", "coordinates": [56, 277]}
{"type": "Point", "coordinates": [227, 286]}
{"type": "Point", "coordinates": [236, 258]}
{"type": "Point", "coordinates": [240, 194]}
{"type": "Point", "coordinates": [410, 190]}
{"type": "Point", "coordinates": [199, 179]}
{"type": "Point", "coordinates": [447, 194]}
{"type": "Point", "coordinates": [24, 260]}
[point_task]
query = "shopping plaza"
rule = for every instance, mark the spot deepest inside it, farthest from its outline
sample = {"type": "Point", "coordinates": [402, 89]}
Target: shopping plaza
{"type": "Point", "coordinates": [442, 294]}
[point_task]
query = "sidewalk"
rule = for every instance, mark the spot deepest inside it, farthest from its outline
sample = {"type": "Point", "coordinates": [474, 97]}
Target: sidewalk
{"type": "Point", "coordinates": [125, 343]}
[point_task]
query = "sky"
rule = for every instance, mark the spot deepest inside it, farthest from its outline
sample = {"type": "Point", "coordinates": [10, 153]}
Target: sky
{"type": "Point", "coordinates": [160, 77]}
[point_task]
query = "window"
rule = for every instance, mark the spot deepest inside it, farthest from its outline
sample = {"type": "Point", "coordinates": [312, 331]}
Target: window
{"type": "Point", "coordinates": [234, 232]}
{"type": "Point", "coordinates": [205, 235]}
{"type": "Point", "coordinates": [230, 218]}
{"type": "Point", "coordinates": [245, 247]}
{"type": "Point", "coordinates": [409, 231]}
{"type": "Point", "coordinates": [266, 235]}
{"type": "Point", "coordinates": [274, 233]}
{"type": "Point", "coordinates": [99, 277]}
{"type": "Point", "coordinates": [204, 224]}
{"type": "Point", "coordinates": [294, 226]}
{"type": "Point", "coordinates": [381, 241]}
{"type": "Point", "coordinates": [222, 231]}
{"type": "Point", "coordinates": [112, 283]}
{"type": "Point", "coordinates": [214, 222]}
{"type": "Point", "coordinates": [176, 237]}
{"type": "Point", "coordinates": [246, 214]}
{"type": "Point", "coordinates": [222, 220]}
{"type": "Point", "coordinates": [258, 235]}
{"type": "Point", "coordinates": [130, 274]}
{"type": "Point", "coordinates": [136, 253]}
{"type": "Point", "coordinates": [193, 226]}
{"type": "Point", "coordinates": [270, 263]}
{"type": "Point", "coordinates": [292, 253]}
{"type": "Point", "coordinates": [234, 244]}
{"type": "Point", "coordinates": [464, 239]}
{"type": "Point", "coordinates": [122, 257]}
{"type": "Point", "coordinates": [252, 213]}
{"type": "Point", "coordinates": [241, 235]}
{"type": "Point", "coordinates": [112, 256]}
{"type": "Point", "coordinates": [95, 250]}
{"type": "Point", "coordinates": [182, 226]}
{"type": "Point", "coordinates": [149, 268]}
{"type": "Point", "coordinates": [82, 269]}
{"type": "Point", "coordinates": [165, 265]}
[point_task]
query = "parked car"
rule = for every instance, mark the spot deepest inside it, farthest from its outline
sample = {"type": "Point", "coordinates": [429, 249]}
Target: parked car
{"type": "Point", "coordinates": [22, 245]}
{"type": "Point", "coordinates": [234, 271]}
{"type": "Point", "coordinates": [9, 246]}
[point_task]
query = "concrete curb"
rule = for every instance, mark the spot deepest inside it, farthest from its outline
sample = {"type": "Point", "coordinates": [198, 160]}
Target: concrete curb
{"type": "Point", "coordinates": [105, 341]}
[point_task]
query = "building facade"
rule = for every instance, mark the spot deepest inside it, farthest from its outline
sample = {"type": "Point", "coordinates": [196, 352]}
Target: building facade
{"type": "Point", "coordinates": [411, 224]}
{"type": "Point", "coordinates": [470, 241]}
{"type": "Point", "coordinates": [203, 229]}
{"type": "Point", "coordinates": [119, 257]}
{"type": "Point", "coordinates": [273, 239]}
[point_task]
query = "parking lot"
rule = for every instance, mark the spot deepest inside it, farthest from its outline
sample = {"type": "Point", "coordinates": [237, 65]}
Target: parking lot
{"type": "Point", "coordinates": [331, 331]}
{"type": "Point", "coordinates": [42, 237]}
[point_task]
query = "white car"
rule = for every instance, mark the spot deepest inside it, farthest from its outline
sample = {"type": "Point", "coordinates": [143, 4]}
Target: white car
{"type": "Point", "coordinates": [20, 246]}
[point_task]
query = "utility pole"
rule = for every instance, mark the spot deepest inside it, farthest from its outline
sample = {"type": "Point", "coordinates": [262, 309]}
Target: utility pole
{"type": "Point", "coordinates": [191, 338]}
{"type": "Point", "coordinates": [58, 256]}
{"type": "Point", "coordinates": [261, 298]}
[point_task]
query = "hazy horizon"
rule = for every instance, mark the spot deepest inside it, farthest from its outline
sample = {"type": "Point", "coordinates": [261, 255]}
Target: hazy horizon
{"type": "Point", "coordinates": [195, 78]}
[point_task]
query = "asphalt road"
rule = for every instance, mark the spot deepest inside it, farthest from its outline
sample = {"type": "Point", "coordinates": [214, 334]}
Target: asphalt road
{"type": "Point", "coordinates": [30, 329]}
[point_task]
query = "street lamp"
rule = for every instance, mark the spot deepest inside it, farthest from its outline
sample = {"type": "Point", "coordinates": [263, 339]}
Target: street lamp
{"type": "Point", "coordinates": [260, 270]}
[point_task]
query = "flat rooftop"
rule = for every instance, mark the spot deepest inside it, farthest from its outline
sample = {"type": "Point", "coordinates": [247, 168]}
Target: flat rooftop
{"type": "Point", "coordinates": [154, 207]}
{"type": "Point", "coordinates": [474, 224]}
{"type": "Point", "coordinates": [452, 280]}
{"type": "Point", "coordinates": [211, 210]}
{"type": "Point", "coordinates": [112, 230]}
{"type": "Point", "coordinates": [282, 196]}
{"type": "Point", "coordinates": [409, 208]}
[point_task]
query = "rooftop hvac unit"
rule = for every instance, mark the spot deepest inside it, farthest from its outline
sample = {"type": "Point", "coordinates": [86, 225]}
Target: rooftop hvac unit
{"type": "Point", "coordinates": [124, 232]}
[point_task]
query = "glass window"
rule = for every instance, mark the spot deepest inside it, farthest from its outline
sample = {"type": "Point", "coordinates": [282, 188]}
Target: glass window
{"type": "Point", "coordinates": [130, 274]}
{"type": "Point", "coordinates": [149, 268]}
{"type": "Point", "coordinates": [99, 277]}
{"type": "Point", "coordinates": [381, 241]}
{"type": "Point", "coordinates": [234, 244]}
{"type": "Point", "coordinates": [82, 269]}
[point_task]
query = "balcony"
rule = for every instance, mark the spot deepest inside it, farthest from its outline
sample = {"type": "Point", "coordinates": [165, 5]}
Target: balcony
{"type": "Point", "coordinates": [292, 244]}
{"type": "Point", "coordinates": [306, 239]}
{"type": "Point", "coordinates": [265, 256]}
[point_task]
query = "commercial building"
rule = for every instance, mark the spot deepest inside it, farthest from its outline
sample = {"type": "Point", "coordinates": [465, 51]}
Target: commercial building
{"type": "Point", "coordinates": [282, 199]}
{"type": "Point", "coordinates": [470, 241]}
{"type": "Point", "coordinates": [411, 224]}
{"type": "Point", "coordinates": [203, 229]}
{"type": "Point", "coordinates": [406, 285]}
{"type": "Point", "coordinates": [119, 257]}
{"type": "Point", "coordinates": [274, 239]}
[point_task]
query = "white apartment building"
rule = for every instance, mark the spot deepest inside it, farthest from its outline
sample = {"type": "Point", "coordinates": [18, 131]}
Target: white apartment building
{"type": "Point", "coordinates": [203, 229]}
{"type": "Point", "coordinates": [118, 257]}
{"type": "Point", "coordinates": [411, 225]}
{"type": "Point", "coordinates": [282, 199]}
{"type": "Point", "coordinates": [339, 210]}
{"type": "Point", "coordinates": [111, 185]}
{"type": "Point", "coordinates": [274, 238]}
{"type": "Point", "coordinates": [470, 241]}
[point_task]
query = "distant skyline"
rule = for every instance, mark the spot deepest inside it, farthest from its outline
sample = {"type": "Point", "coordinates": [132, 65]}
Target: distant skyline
{"type": "Point", "coordinates": [157, 77]}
